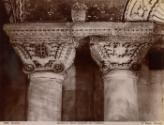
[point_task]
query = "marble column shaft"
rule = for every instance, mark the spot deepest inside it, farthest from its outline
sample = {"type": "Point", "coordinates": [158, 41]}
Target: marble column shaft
{"type": "Point", "coordinates": [120, 96]}
{"type": "Point", "coordinates": [45, 97]}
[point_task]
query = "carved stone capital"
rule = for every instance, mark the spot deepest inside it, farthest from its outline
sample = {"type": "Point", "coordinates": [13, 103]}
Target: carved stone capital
{"type": "Point", "coordinates": [122, 50]}
{"type": "Point", "coordinates": [47, 51]}
{"type": "Point", "coordinates": [41, 48]}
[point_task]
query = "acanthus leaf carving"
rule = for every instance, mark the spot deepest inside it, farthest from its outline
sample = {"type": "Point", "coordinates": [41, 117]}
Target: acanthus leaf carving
{"type": "Point", "coordinates": [53, 57]}
{"type": "Point", "coordinates": [51, 47]}
{"type": "Point", "coordinates": [113, 53]}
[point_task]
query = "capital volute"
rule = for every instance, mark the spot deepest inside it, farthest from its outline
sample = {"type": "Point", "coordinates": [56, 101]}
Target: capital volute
{"type": "Point", "coordinates": [41, 47]}
{"type": "Point", "coordinates": [122, 50]}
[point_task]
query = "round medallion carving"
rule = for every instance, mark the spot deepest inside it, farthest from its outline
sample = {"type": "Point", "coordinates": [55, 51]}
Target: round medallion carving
{"type": "Point", "coordinates": [58, 68]}
{"type": "Point", "coordinates": [28, 68]}
{"type": "Point", "coordinates": [136, 67]}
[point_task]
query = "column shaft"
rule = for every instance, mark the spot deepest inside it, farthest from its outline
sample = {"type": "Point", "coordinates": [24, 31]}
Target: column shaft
{"type": "Point", "coordinates": [45, 97]}
{"type": "Point", "coordinates": [120, 96]}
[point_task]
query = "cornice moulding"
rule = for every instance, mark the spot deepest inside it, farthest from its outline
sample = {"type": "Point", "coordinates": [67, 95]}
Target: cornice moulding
{"type": "Point", "coordinates": [66, 30]}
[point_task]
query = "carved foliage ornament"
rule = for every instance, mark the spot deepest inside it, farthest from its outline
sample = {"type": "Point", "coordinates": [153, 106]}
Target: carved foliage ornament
{"type": "Point", "coordinates": [42, 47]}
{"type": "Point", "coordinates": [123, 52]}
{"type": "Point", "coordinates": [145, 10]}
{"type": "Point", "coordinates": [50, 48]}
{"type": "Point", "coordinates": [55, 57]}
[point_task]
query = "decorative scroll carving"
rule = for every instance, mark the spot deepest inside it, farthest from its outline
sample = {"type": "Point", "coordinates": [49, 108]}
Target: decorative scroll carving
{"type": "Point", "coordinates": [47, 51]}
{"type": "Point", "coordinates": [38, 45]}
{"type": "Point", "coordinates": [112, 54]}
{"type": "Point", "coordinates": [123, 49]}
{"type": "Point", "coordinates": [50, 47]}
{"type": "Point", "coordinates": [54, 57]}
{"type": "Point", "coordinates": [144, 10]}
{"type": "Point", "coordinates": [41, 48]}
{"type": "Point", "coordinates": [120, 51]}
{"type": "Point", "coordinates": [158, 12]}
{"type": "Point", "coordinates": [139, 9]}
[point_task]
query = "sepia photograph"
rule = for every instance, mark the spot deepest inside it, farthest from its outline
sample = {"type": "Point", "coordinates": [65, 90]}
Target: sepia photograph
{"type": "Point", "coordinates": [97, 61]}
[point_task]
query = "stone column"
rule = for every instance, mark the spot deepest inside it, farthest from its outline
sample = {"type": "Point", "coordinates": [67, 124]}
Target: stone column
{"type": "Point", "coordinates": [120, 94]}
{"type": "Point", "coordinates": [46, 56]}
{"type": "Point", "coordinates": [119, 56]}
{"type": "Point", "coordinates": [45, 97]}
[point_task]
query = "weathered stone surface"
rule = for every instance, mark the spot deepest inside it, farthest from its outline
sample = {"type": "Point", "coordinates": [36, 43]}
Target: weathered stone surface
{"type": "Point", "coordinates": [120, 96]}
{"type": "Point", "coordinates": [45, 97]}
{"type": "Point", "coordinates": [97, 13]}
{"type": "Point", "coordinates": [139, 10]}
